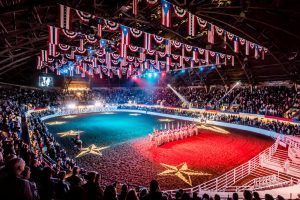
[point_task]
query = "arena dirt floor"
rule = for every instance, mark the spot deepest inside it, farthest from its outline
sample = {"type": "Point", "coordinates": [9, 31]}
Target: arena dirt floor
{"type": "Point", "coordinates": [179, 164]}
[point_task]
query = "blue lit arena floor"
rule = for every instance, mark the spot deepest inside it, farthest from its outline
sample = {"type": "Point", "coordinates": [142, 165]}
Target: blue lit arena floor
{"type": "Point", "coordinates": [108, 128]}
{"type": "Point", "coordinates": [127, 155]}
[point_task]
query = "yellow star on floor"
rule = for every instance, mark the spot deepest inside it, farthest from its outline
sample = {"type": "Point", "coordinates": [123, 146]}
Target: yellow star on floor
{"type": "Point", "coordinates": [69, 133]}
{"type": "Point", "coordinates": [92, 149]}
{"type": "Point", "coordinates": [182, 172]}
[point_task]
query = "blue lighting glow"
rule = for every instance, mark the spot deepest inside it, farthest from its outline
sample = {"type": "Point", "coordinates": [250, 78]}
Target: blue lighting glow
{"type": "Point", "coordinates": [149, 75]}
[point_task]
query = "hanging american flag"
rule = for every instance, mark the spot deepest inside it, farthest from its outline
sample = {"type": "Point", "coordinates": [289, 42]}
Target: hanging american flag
{"type": "Point", "coordinates": [195, 54]}
{"type": "Point", "coordinates": [108, 60]}
{"type": "Point", "coordinates": [207, 56]}
{"type": "Point", "coordinates": [142, 55]}
{"type": "Point", "coordinates": [125, 36]}
{"type": "Point", "coordinates": [123, 50]}
{"type": "Point", "coordinates": [65, 21]}
{"type": "Point", "coordinates": [81, 44]}
{"type": "Point", "coordinates": [192, 24]}
{"type": "Point", "coordinates": [51, 49]}
{"type": "Point", "coordinates": [135, 7]}
{"type": "Point", "coordinates": [168, 62]}
{"type": "Point", "coordinates": [53, 36]}
{"type": "Point", "coordinates": [168, 47]}
{"type": "Point", "coordinates": [225, 39]}
{"type": "Point", "coordinates": [217, 59]}
{"type": "Point", "coordinates": [236, 44]}
{"type": "Point", "coordinates": [256, 52]}
{"type": "Point", "coordinates": [147, 41]}
{"type": "Point", "coordinates": [247, 48]}
{"type": "Point", "coordinates": [211, 33]}
{"type": "Point", "coordinates": [44, 55]}
{"type": "Point", "coordinates": [99, 30]}
{"type": "Point", "coordinates": [166, 13]}
{"type": "Point", "coordinates": [181, 62]}
{"type": "Point", "coordinates": [39, 63]}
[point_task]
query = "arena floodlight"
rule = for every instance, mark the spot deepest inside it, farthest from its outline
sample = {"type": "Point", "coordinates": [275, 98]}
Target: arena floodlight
{"type": "Point", "coordinates": [98, 104]}
{"type": "Point", "coordinates": [71, 105]}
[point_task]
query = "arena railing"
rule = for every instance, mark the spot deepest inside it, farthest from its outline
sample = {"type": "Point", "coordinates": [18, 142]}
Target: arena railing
{"type": "Point", "coordinates": [220, 183]}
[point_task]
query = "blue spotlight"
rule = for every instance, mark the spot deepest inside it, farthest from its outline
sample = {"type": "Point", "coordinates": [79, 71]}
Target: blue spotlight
{"type": "Point", "coordinates": [149, 75]}
{"type": "Point", "coordinates": [155, 74]}
{"type": "Point", "coordinates": [183, 71]}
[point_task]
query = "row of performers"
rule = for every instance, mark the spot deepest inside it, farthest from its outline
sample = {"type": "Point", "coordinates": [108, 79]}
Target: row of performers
{"type": "Point", "coordinates": [160, 137]}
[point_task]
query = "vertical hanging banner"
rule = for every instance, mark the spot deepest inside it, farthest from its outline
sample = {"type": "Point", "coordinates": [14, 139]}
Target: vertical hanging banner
{"type": "Point", "coordinates": [147, 41]}
{"type": "Point", "coordinates": [99, 30]}
{"type": "Point", "coordinates": [211, 33]}
{"type": "Point", "coordinates": [236, 44]}
{"type": "Point", "coordinates": [207, 56]}
{"type": "Point", "coordinates": [168, 47]}
{"type": "Point", "coordinates": [125, 36]}
{"type": "Point", "coordinates": [192, 24]}
{"type": "Point", "coordinates": [195, 54]}
{"type": "Point", "coordinates": [168, 62]}
{"type": "Point", "coordinates": [225, 39]}
{"type": "Point", "coordinates": [247, 48]}
{"type": "Point", "coordinates": [44, 55]}
{"type": "Point", "coordinates": [39, 63]}
{"type": "Point", "coordinates": [65, 21]}
{"type": "Point", "coordinates": [51, 49]}
{"type": "Point", "coordinates": [166, 13]}
{"type": "Point", "coordinates": [53, 36]}
{"type": "Point", "coordinates": [135, 7]}
{"type": "Point", "coordinates": [81, 44]}
{"type": "Point", "coordinates": [123, 51]}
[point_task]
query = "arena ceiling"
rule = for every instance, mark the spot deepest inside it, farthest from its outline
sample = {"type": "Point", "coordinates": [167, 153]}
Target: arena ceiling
{"type": "Point", "coordinates": [270, 23]}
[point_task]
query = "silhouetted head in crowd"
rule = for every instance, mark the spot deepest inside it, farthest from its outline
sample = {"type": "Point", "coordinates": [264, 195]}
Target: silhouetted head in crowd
{"type": "Point", "coordinates": [61, 175]}
{"type": "Point", "coordinates": [186, 196]}
{"type": "Point", "coordinates": [280, 197]}
{"type": "Point", "coordinates": [235, 196]}
{"type": "Point", "coordinates": [92, 177]}
{"type": "Point", "coordinates": [217, 197]}
{"type": "Point", "coordinates": [26, 173]}
{"type": "Point", "coordinates": [131, 195]}
{"type": "Point", "coordinates": [268, 197]}
{"type": "Point", "coordinates": [205, 196]}
{"type": "Point", "coordinates": [154, 186]}
{"type": "Point", "coordinates": [247, 195]}
{"type": "Point", "coordinates": [143, 192]}
{"type": "Point", "coordinates": [16, 166]}
{"type": "Point", "coordinates": [76, 171]}
{"type": "Point", "coordinates": [110, 193]}
{"type": "Point", "coordinates": [256, 196]}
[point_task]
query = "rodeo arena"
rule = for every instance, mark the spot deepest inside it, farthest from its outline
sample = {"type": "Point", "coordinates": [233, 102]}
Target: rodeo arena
{"type": "Point", "coordinates": [149, 100]}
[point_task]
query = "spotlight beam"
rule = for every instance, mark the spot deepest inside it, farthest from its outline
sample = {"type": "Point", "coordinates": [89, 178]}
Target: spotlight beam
{"type": "Point", "coordinates": [235, 85]}
{"type": "Point", "coordinates": [179, 95]}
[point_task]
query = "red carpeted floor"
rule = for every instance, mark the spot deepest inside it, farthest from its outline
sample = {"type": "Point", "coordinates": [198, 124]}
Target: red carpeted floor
{"type": "Point", "coordinates": [212, 152]}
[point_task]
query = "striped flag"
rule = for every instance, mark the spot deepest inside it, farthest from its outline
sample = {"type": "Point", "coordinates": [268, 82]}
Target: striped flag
{"type": "Point", "coordinates": [123, 51]}
{"type": "Point", "coordinates": [168, 62]}
{"type": "Point", "coordinates": [65, 21]}
{"type": "Point", "coordinates": [44, 55]}
{"type": "Point", "coordinates": [207, 56]}
{"type": "Point", "coordinates": [81, 45]}
{"type": "Point", "coordinates": [99, 30]}
{"type": "Point", "coordinates": [211, 33]}
{"type": "Point", "coordinates": [51, 49]}
{"type": "Point", "coordinates": [247, 48]}
{"type": "Point", "coordinates": [217, 59]}
{"type": "Point", "coordinates": [225, 39]}
{"type": "Point", "coordinates": [125, 36]}
{"type": "Point", "coordinates": [166, 13]}
{"type": "Point", "coordinates": [135, 7]}
{"type": "Point", "coordinates": [195, 54]}
{"type": "Point", "coordinates": [236, 44]}
{"type": "Point", "coordinates": [147, 41]}
{"type": "Point", "coordinates": [142, 55]}
{"type": "Point", "coordinates": [192, 24]}
{"type": "Point", "coordinates": [53, 36]}
{"type": "Point", "coordinates": [168, 47]}
{"type": "Point", "coordinates": [39, 63]}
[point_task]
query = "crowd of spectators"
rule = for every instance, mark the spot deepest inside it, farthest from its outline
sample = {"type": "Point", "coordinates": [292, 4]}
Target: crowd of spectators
{"type": "Point", "coordinates": [41, 168]}
{"type": "Point", "coordinates": [275, 100]}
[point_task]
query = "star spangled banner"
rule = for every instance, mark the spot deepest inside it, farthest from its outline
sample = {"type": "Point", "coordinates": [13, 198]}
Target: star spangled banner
{"type": "Point", "coordinates": [125, 36]}
{"type": "Point", "coordinates": [166, 13]}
